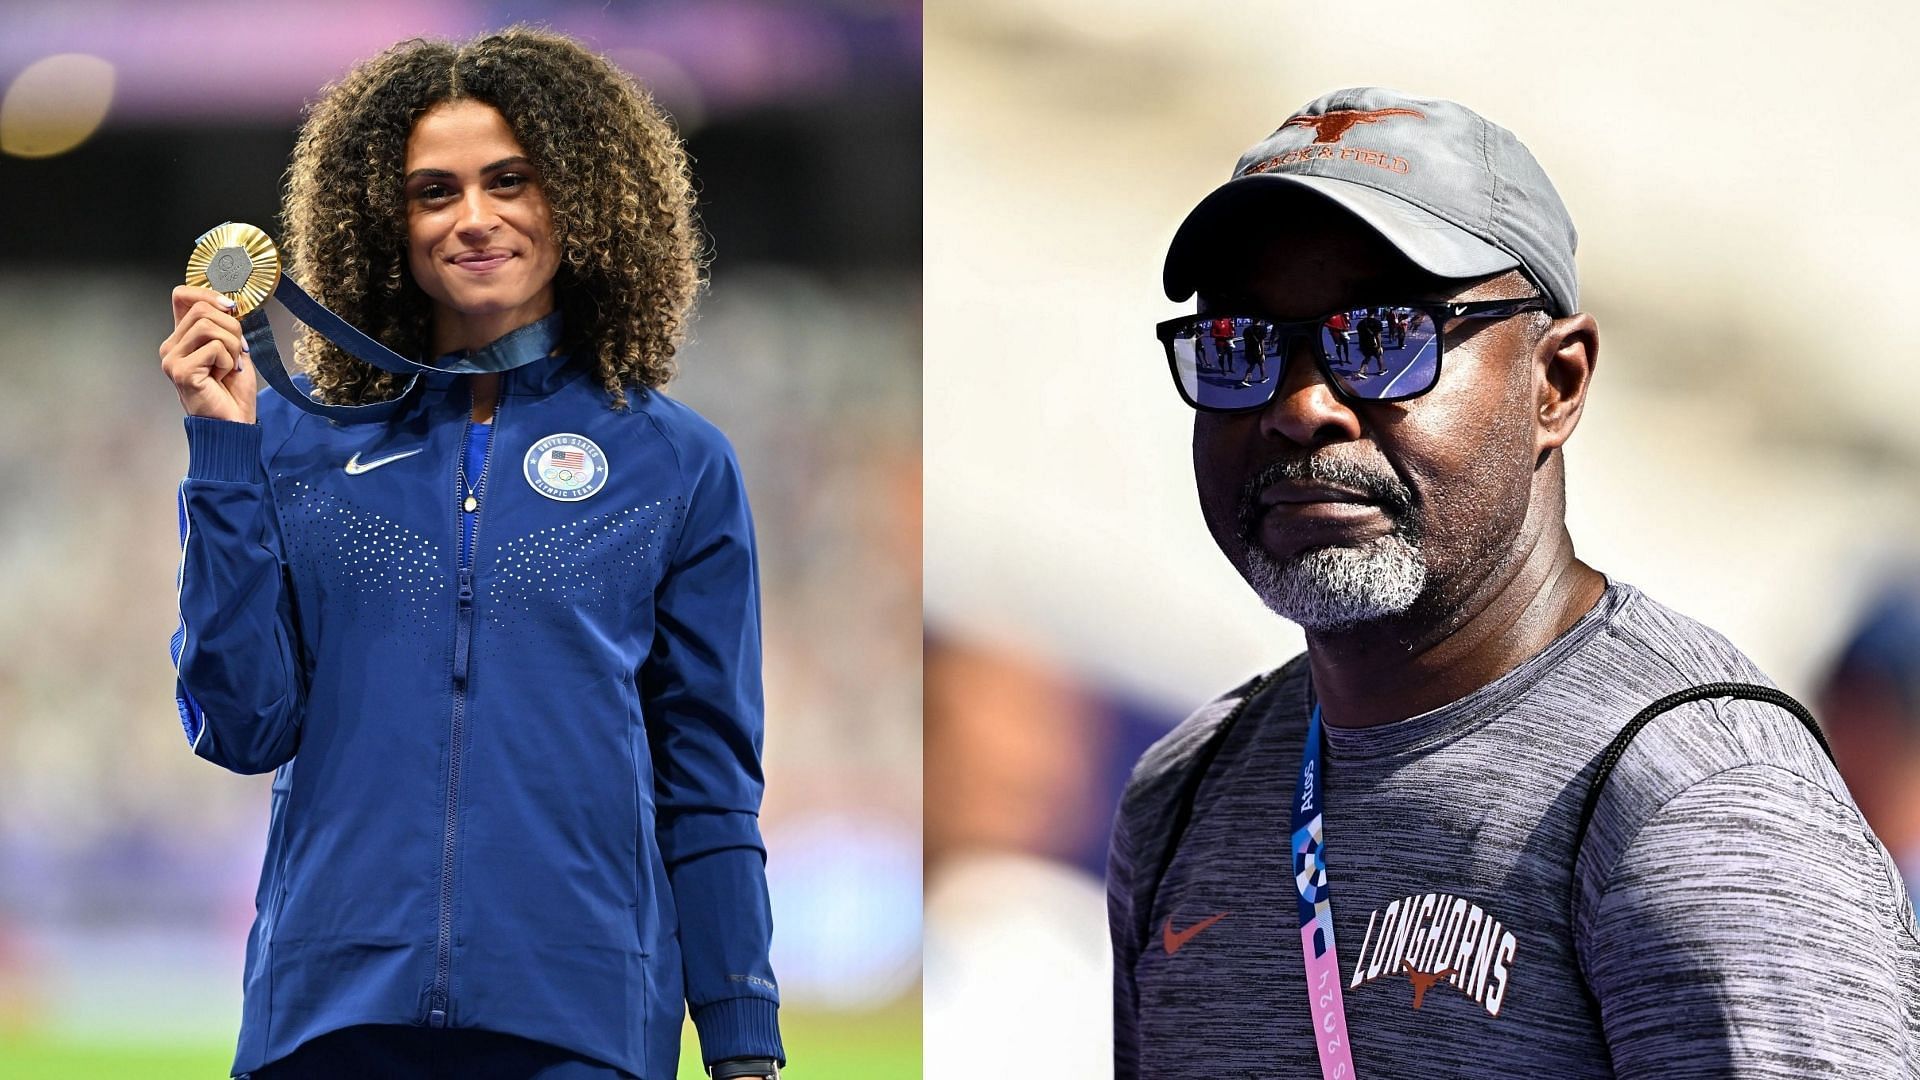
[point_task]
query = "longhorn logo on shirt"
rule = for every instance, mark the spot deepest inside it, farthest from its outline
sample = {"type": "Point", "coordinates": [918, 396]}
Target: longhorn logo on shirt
{"type": "Point", "coordinates": [1422, 980]}
{"type": "Point", "coordinates": [1435, 938]}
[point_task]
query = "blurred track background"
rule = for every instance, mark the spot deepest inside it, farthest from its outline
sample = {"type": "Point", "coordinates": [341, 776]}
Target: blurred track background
{"type": "Point", "coordinates": [1742, 180]}
{"type": "Point", "coordinates": [126, 864]}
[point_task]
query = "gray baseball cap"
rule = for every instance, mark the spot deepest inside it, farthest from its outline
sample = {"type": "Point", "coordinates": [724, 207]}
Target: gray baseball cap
{"type": "Point", "coordinates": [1455, 193]}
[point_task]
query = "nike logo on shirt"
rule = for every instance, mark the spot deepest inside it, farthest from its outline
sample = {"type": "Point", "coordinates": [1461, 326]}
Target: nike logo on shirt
{"type": "Point", "coordinates": [355, 468]}
{"type": "Point", "coordinates": [1172, 941]}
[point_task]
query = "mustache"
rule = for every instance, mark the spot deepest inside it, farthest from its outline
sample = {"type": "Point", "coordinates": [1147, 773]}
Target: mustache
{"type": "Point", "coordinates": [1381, 486]}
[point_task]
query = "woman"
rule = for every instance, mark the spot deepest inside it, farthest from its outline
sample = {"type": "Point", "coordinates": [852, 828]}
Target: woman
{"type": "Point", "coordinates": [502, 647]}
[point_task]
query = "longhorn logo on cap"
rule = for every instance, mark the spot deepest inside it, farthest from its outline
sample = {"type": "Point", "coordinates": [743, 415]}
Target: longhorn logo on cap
{"type": "Point", "coordinates": [1330, 126]}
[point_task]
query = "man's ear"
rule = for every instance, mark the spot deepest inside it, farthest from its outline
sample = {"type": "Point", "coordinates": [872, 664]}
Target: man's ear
{"type": "Point", "coordinates": [1563, 363]}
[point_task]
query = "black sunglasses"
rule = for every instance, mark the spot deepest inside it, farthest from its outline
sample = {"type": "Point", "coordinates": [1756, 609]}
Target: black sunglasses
{"type": "Point", "coordinates": [1376, 353]}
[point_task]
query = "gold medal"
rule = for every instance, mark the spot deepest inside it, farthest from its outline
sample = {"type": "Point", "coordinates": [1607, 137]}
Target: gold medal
{"type": "Point", "coordinates": [238, 260]}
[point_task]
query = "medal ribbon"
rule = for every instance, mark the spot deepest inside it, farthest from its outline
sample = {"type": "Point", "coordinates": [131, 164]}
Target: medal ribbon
{"type": "Point", "coordinates": [1316, 914]}
{"type": "Point", "coordinates": [521, 346]}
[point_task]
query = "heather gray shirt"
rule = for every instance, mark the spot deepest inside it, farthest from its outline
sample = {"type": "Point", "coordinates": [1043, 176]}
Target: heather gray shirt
{"type": "Point", "coordinates": [1736, 916]}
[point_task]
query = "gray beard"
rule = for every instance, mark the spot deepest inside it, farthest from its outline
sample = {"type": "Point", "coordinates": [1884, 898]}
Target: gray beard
{"type": "Point", "coordinates": [1337, 586]}
{"type": "Point", "coordinates": [1331, 588]}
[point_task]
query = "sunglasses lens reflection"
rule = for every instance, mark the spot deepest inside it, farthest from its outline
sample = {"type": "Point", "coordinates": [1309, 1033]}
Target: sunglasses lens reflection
{"type": "Point", "coordinates": [1227, 363]}
{"type": "Point", "coordinates": [1382, 353]}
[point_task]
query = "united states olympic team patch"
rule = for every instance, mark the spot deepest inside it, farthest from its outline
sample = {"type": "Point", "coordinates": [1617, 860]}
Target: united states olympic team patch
{"type": "Point", "coordinates": [566, 467]}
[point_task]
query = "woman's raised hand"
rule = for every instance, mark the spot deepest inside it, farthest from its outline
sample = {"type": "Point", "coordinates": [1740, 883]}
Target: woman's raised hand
{"type": "Point", "coordinates": [206, 357]}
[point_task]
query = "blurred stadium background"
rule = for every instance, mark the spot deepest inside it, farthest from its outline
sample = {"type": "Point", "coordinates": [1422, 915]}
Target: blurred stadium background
{"type": "Point", "coordinates": [1742, 190]}
{"type": "Point", "coordinates": [126, 129]}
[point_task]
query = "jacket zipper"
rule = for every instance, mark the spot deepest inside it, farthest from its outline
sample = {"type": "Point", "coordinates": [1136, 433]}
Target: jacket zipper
{"type": "Point", "coordinates": [462, 649]}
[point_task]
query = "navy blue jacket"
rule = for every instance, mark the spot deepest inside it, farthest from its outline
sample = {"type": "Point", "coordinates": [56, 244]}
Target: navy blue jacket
{"type": "Point", "coordinates": [520, 796]}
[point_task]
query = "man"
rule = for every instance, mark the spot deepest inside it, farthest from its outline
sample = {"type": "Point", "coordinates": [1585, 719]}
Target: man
{"type": "Point", "coordinates": [1223, 345]}
{"type": "Point", "coordinates": [1256, 352]}
{"type": "Point", "coordinates": [1371, 352]}
{"type": "Point", "coordinates": [1341, 337]}
{"type": "Point", "coordinates": [1726, 912]}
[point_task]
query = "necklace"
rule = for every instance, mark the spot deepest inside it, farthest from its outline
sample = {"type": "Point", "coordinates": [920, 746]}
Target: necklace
{"type": "Point", "coordinates": [472, 502]}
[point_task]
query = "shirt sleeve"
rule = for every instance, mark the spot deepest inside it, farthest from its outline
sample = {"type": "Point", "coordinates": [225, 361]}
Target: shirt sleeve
{"type": "Point", "coordinates": [239, 686]}
{"type": "Point", "coordinates": [1753, 928]}
{"type": "Point", "coordinates": [702, 694]}
{"type": "Point", "coordinates": [1126, 951]}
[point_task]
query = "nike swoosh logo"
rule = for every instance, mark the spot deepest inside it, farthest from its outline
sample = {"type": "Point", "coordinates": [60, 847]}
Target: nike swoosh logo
{"type": "Point", "coordinates": [1172, 941]}
{"type": "Point", "coordinates": [355, 467]}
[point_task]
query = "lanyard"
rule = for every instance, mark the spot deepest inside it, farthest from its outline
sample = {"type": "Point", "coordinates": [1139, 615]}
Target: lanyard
{"type": "Point", "coordinates": [1316, 915]}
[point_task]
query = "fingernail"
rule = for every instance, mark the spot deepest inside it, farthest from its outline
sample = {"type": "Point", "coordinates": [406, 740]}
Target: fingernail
{"type": "Point", "coordinates": [244, 347]}
{"type": "Point", "coordinates": [227, 302]}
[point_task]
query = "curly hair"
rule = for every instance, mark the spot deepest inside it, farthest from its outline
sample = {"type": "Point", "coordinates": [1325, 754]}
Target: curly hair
{"type": "Point", "coordinates": [615, 175]}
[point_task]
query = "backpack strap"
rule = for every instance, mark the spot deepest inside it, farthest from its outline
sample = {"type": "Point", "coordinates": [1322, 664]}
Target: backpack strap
{"type": "Point", "coordinates": [1177, 810]}
{"type": "Point", "coordinates": [1618, 747]}
{"type": "Point", "coordinates": [1611, 756]}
